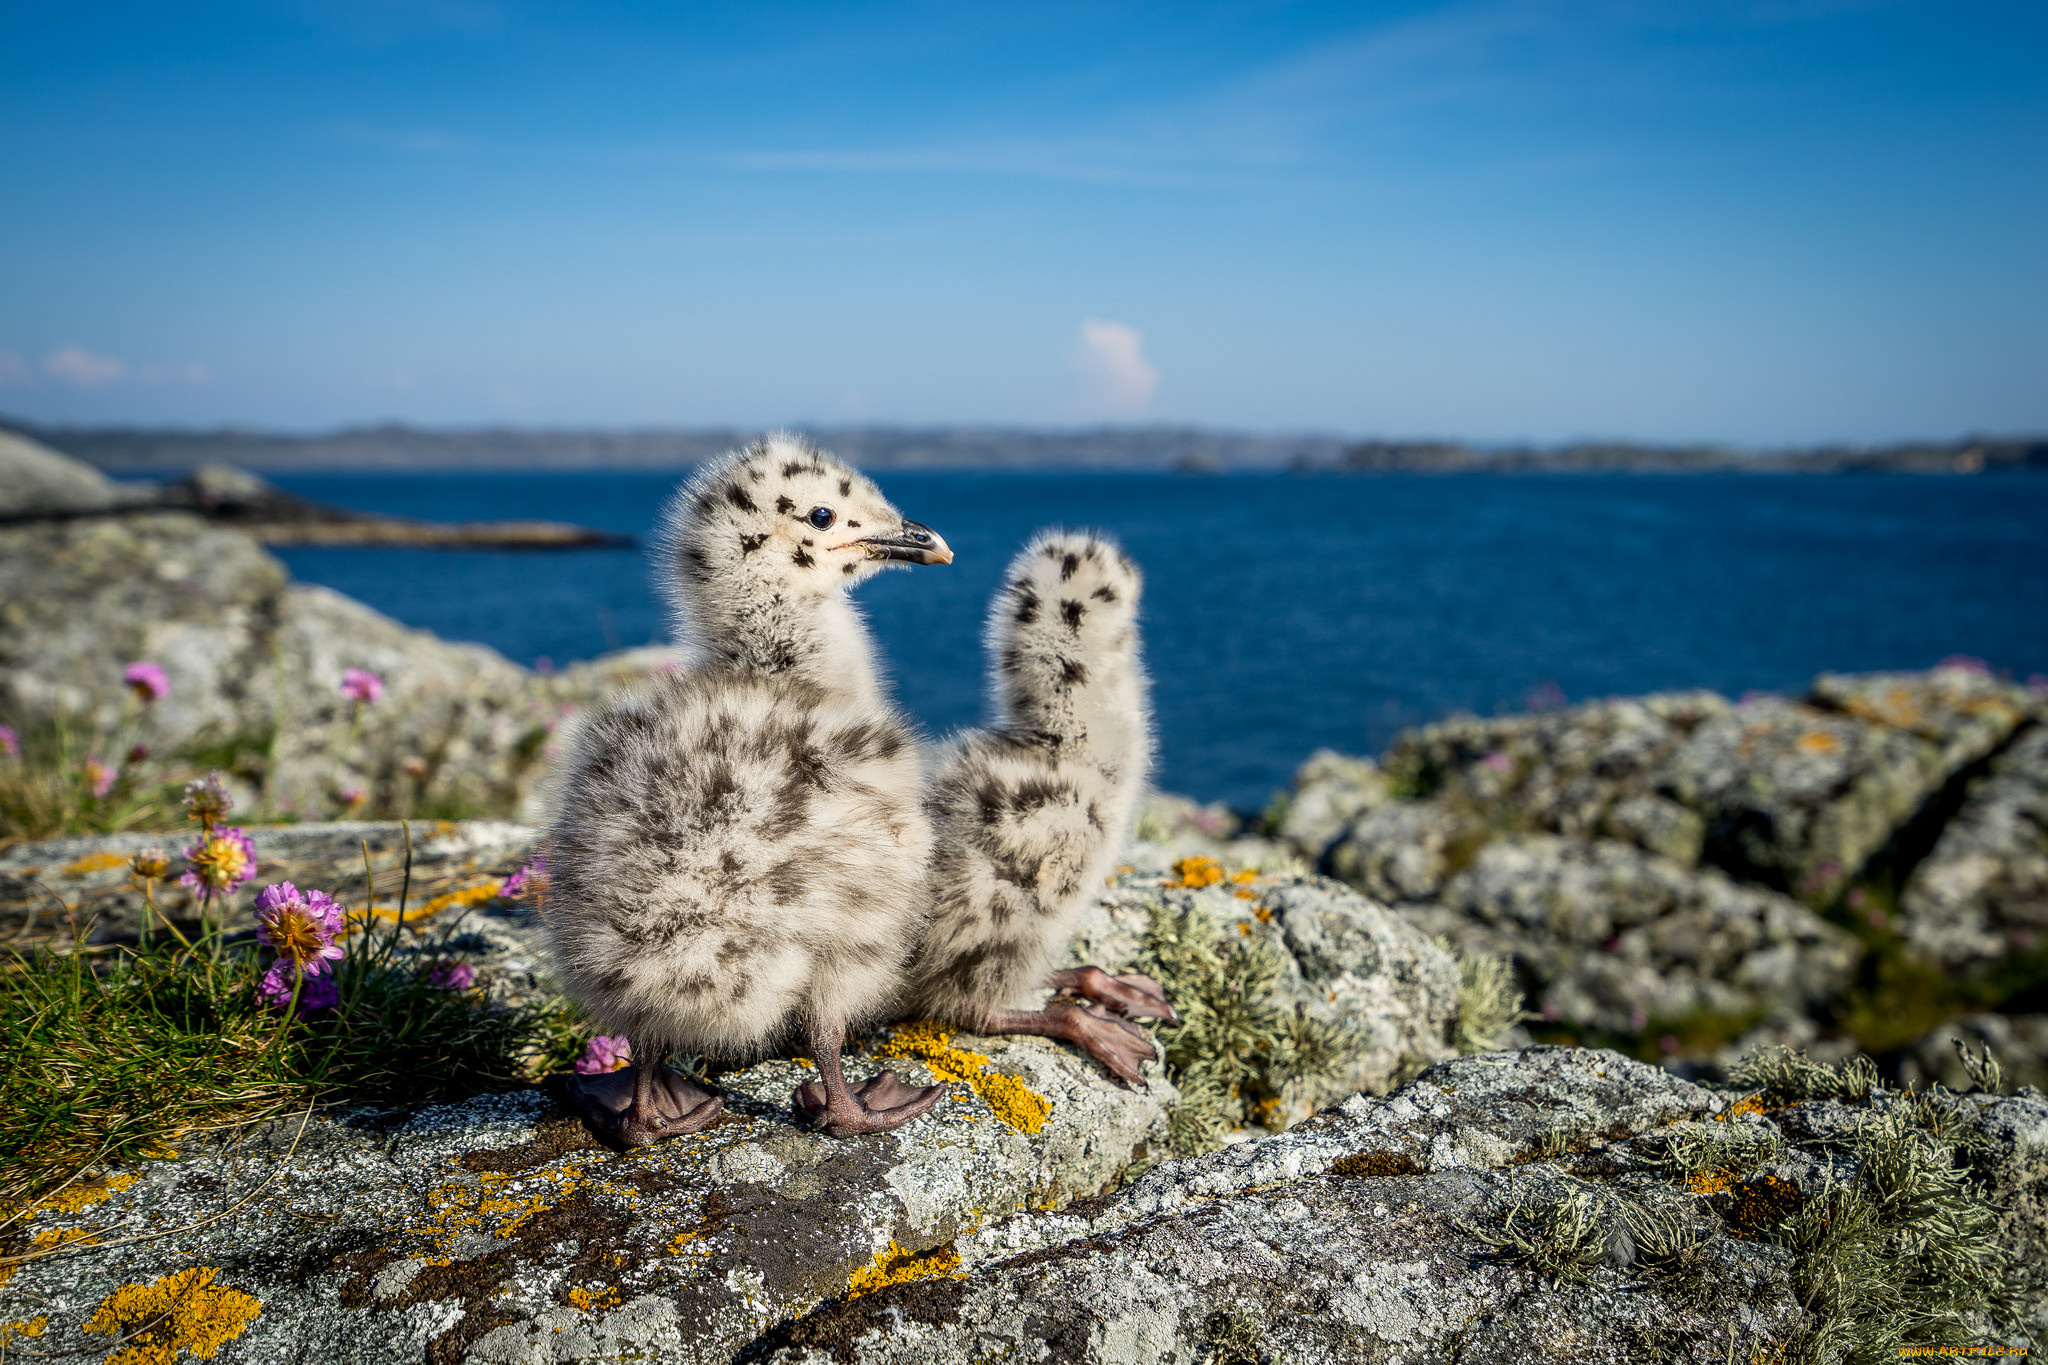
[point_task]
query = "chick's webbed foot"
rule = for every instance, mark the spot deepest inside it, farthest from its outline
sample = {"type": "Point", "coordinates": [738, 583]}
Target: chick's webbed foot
{"type": "Point", "coordinates": [876, 1105]}
{"type": "Point", "coordinates": [643, 1104]}
{"type": "Point", "coordinates": [1120, 1046]}
{"type": "Point", "coordinates": [1133, 995]}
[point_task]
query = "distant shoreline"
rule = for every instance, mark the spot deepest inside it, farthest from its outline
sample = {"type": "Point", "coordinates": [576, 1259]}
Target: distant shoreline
{"type": "Point", "coordinates": [394, 448]}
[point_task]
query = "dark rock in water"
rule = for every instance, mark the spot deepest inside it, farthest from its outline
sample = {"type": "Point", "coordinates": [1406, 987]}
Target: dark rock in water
{"type": "Point", "coordinates": [1982, 892]}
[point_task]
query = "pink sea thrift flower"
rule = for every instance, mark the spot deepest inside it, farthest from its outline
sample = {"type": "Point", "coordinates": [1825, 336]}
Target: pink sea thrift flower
{"type": "Point", "coordinates": [10, 743]}
{"type": "Point", "coordinates": [525, 879]}
{"type": "Point", "coordinates": [361, 685]}
{"type": "Point", "coordinates": [220, 862]}
{"type": "Point", "coordinates": [1965, 663]}
{"type": "Point", "coordinates": [316, 993]}
{"type": "Point", "coordinates": [607, 1052]}
{"type": "Point", "coordinates": [99, 777]}
{"type": "Point", "coordinates": [147, 681]}
{"type": "Point", "coordinates": [1498, 761]}
{"type": "Point", "coordinates": [452, 976]}
{"type": "Point", "coordinates": [301, 926]}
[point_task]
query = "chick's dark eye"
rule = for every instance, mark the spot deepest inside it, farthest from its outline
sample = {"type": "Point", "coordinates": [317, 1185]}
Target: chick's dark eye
{"type": "Point", "coordinates": [822, 518]}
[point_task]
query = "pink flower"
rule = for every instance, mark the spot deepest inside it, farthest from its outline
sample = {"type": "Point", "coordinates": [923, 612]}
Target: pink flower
{"type": "Point", "coordinates": [302, 927]}
{"type": "Point", "coordinates": [2037, 683]}
{"type": "Point", "coordinates": [607, 1052]}
{"type": "Point", "coordinates": [525, 879]}
{"type": "Point", "coordinates": [10, 743]}
{"type": "Point", "coordinates": [147, 681]}
{"type": "Point", "coordinates": [350, 796]}
{"type": "Point", "coordinates": [315, 992]}
{"type": "Point", "coordinates": [222, 861]}
{"type": "Point", "coordinates": [1638, 1018]}
{"type": "Point", "coordinates": [452, 976]}
{"type": "Point", "coordinates": [543, 665]}
{"type": "Point", "coordinates": [1965, 663]}
{"type": "Point", "coordinates": [99, 777]}
{"type": "Point", "coordinates": [1498, 761]}
{"type": "Point", "coordinates": [361, 685]}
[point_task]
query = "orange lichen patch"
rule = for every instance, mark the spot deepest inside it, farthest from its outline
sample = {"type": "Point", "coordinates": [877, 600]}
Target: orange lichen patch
{"type": "Point", "coordinates": [1197, 872]}
{"type": "Point", "coordinates": [1244, 895]}
{"type": "Point", "coordinates": [1895, 706]}
{"type": "Point", "coordinates": [897, 1266]}
{"type": "Point", "coordinates": [1818, 742]}
{"type": "Point", "coordinates": [681, 1241]}
{"type": "Point", "coordinates": [1262, 915]}
{"type": "Point", "coordinates": [1761, 1204]}
{"type": "Point", "coordinates": [81, 1196]}
{"type": "Point", "coordinates": [1244, 929]}
{"type": "Point", "coordinates": [594, 1300]}
{"type": "Point", "coordinates": [185, 1311]}
{"type": "Point", "coordinates": [1013, 1102]}
{"type": "Point", "coordinates": [487, 1207]}
{"type": "Point", "coordinates": [474, 894]}
{"type": "Point", "coordinates": [1246, 877]}
{"type": "Point", "coordinates": [95, 862]}
{"type": "Point", "coordinates": [1709, 1182]}
{"type": "Point", "coordinates": [1748, 1104]}
{"type": "Point", "coordinates": [24, 1327]}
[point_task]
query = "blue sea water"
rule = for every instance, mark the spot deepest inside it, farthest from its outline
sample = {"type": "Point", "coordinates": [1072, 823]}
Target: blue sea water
{"type": "Point", "coordinates": [1285, 613]}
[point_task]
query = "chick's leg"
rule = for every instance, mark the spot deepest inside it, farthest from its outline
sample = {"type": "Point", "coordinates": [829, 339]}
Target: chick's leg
{"type": "Point", "coordinates": [1133, 995]}
{"type": "Point", "coordinates": [1117, 1045]}
{"type": "Point", "coordinates": [876, 1105]}
{"type": "Point", "coordinates": [645, 1103]}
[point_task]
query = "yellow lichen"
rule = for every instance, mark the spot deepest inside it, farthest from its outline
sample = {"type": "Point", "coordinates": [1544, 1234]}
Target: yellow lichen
{"type": "Point", "coordinates": [460, 1210]}
{"type": "Point", "coordinates": [83, 1195]}
{"type": "Point", "coordinates": [1709, 1182]}
{"type": "Point", "coordinates": [1749, 1104]}
{"type": "Point", "coordinates": [1818, 742]}
{"type": "Point", "coordinates": [1245, 895]}
{"type": "Point", "coordinates": [95, 862]}
{"type": "Point", "coordinates": [185, 1311]}
{"type": "Point", "coordinates": [23, 1327]}
{"type": "Point", "coordinates": [1012, 1101]}
{"type": "Point", "coordinates": [1246, 877]}
{"type": "Point", "coordinates": [49, 1241]}
{"type": "Point", "coordinates": [474, 894]}
{"type": "Point", "coordinates": [594, 1300]}
{"type": "Point", "coordinates": [1197, 872]}
{"type": "Point", "coordinates": [897, 1266]}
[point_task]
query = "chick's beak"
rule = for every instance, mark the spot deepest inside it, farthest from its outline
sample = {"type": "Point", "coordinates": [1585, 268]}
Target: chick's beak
{"type": "Point", "coordinates": [916, 543]}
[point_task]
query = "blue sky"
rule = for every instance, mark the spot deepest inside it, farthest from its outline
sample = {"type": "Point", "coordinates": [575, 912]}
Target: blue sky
{"type": "Point", "coordinates": [1771, 222]}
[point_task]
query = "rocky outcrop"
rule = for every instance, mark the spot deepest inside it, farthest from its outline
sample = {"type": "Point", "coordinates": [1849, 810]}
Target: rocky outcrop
{"type": "Point", "coordinates": [255, 665]}
{"type": "Point", "coordinates": [1982, 893]}
{"type": "Point", "coordinates": [499, 1230]}
{"type": "Point", "coordinates": [1551, 1204]}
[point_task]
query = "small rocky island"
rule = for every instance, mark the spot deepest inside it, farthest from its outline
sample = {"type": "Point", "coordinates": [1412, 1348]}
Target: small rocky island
{"type": "Point", "coordinates": [1670, 1027]}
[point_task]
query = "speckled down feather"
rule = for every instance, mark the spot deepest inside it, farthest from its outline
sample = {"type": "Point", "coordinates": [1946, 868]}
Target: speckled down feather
{"type": "Point", "coordinates": [1030, 813]}
{"type": "Point", "coordinates": [740, 847]}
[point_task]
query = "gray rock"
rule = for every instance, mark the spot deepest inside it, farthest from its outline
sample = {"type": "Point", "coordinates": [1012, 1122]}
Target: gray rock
{"type": "Point", "coordinates": [1358, 1237]}
{"type": "Point", "coordinates": [1407, 850]}
{"type": "Point", "coordinates": [1983, 890]}
{"type": "Point", "coordinates": [255, 666]}
{"type": "Point", "coordinates": [497, 1230]}
{"type": "Point", "coordinates": [37, 481]}
{"type": "Point", "coordinates": [1606, 936]}
{"type": "Point", "coordinates": [1331, 792]}
{"type": "Point", "coordinates": [2017, 1042]}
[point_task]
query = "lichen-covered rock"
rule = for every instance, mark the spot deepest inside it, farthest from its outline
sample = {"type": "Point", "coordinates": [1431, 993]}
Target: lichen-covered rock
{"type": "Point", "coordinates": [497, 1230]}
{"type": "Point", "coordinates": [1798, 797]}
{"type": "Point", "coordinates": [1331, 791]}
{"type": "Point", "coordinates": [37, 481]}
{"type": "Point", "coordinates": [1983, 891]}
{"type": "Point", "coordinates": [1407, 850]}
{"type": "Point", "coordinates": [1609, 937]}
{"type": "Point", "coordinates": [1344, 960]}
{"type": "Point", "coordinates": [255, 665]}
{"type": "Point", "coordinates": [1505, 1207]}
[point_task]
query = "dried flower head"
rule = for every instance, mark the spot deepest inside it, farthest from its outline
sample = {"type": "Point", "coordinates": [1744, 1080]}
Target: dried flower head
{"type": "Point", "coordinates": [302, 926]}
{"type": "Point", "coordinates": [607, 1052]}
{"type": "Point", "coordinates": [147, 681]}
{"type": "Point", "coordinates": [220, 862]}
{"type": "Point", "coordinates": [316, 993]}
{"type": "Point", "coordinates": [360, 685]}
{"type": "Point", "coordinates": [137, 752]}
{"type": "Point", "coordinates": [150, 864]}
{"type": "Point", "coordinates": [206, 799]}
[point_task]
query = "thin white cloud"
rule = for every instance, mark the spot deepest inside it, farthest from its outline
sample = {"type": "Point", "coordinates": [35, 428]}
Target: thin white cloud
{"type": "Point", "coordinates": [77, 366]}
{"type": "Point", "coordinates": [1119, 379]}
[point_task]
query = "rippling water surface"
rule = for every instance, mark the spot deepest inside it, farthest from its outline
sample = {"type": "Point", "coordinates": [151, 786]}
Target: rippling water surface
{"type": "Point", "coordinates": [1283, 613]}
